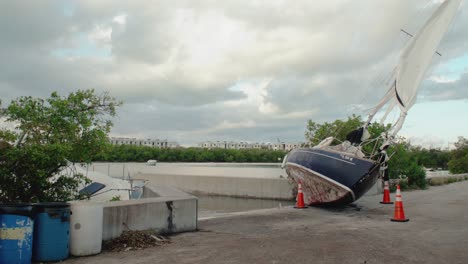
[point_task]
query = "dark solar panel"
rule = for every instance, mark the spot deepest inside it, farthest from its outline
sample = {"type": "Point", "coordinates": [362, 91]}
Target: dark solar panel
{"type": "Point", "coordinates": [92, 188]}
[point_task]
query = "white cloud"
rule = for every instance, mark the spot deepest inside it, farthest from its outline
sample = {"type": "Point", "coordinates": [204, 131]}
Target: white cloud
{"type": "Point", "coordinates": [235, 69]}
{"type": "Point", "coordinates": [256, 96]}
{"type": "Point", "coordinates": [120, 19]}
{"type": "Point", "coordinates": [297, 114]}
{"type": "Point", "coordinates": [443, 79]}
{"type": "Point", "coordinates": [101, 35]}
{"type": "Point", "coordinates": [225, 125]}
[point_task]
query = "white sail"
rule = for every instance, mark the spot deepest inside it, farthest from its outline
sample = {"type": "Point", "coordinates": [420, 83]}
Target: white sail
{"type": "Point", "coordinates": [417, 57]}
{"type": "Point", "coordinates": [415, 60]}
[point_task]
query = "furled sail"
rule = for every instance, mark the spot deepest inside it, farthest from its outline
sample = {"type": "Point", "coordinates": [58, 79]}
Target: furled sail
{"type": "Point", "coordinates": [414, 62]}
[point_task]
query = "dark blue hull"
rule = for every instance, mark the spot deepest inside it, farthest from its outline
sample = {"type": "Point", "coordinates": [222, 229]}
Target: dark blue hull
{"type": "Point", "coordinates": [331, 177]}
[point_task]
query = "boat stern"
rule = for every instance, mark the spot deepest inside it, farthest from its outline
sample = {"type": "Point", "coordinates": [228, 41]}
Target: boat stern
{"type": "Point", "coordinates": [318, 190]}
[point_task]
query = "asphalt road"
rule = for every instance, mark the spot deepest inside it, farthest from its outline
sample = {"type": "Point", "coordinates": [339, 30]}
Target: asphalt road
{"type": "Point", "coordinates": [436, 233]}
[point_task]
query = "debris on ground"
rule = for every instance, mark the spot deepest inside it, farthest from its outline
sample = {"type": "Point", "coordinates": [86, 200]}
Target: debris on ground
{"type": "Point", "coordinates": [134, 240]}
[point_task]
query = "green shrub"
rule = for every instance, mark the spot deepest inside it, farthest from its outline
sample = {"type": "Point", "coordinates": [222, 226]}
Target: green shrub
{"type": "Point", "coordinates": [50, 132]}
{"type": "Point", "coordinates": [404, 185]}
{"type": "Point", "coordinates": [416, 176]}
{"type": "Point", "coordinates": [404, 166]}
{"type": "Point", "coordinates": [459, 157]}
{"type": "Point", "coordinates": [452, 180]}
{"type": "Point", "coordinates": [115, 198]}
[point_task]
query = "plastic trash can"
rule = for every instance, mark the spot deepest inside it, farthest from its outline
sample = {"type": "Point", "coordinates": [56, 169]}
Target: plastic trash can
{"type": "Point", "coordinates": [51, 231]}
{"type": "Point", "coordinates": [85, 228]}
{"type": "Point", "coordinates": [16, 233]}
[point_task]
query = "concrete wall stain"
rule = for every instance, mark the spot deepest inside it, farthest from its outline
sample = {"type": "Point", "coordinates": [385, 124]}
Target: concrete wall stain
{"type": "Point", "coordinates": [170, 218]}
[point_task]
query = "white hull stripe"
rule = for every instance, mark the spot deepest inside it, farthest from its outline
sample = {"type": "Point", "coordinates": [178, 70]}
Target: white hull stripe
{"type": "Point", "coordinates": [324, 177]}
{"type": "Point", "coordinates": [331, 157]}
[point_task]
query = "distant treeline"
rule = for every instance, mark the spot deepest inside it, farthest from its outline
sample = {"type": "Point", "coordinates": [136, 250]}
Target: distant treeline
{"type": "Point", "coordinates": [431, 158]}
{"type": "Point", "coordinates": [128, 153]}
{"type": "Point", "coordinates": [455, 160]}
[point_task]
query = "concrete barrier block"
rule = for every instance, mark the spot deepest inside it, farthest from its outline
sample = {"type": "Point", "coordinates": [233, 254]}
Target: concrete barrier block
{"type": "Point", "coordinates": [165, 214]}
{"type": "Point", "coordinates": [183, 212]}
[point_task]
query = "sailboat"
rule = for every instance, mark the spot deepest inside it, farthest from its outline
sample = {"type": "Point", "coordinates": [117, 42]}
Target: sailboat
{"type": "Point", "coordinates": [341, 174]}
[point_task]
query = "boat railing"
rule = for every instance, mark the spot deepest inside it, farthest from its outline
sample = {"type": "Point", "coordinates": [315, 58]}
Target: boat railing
{"type": "Point", "coordinates": [336, 144]}
{"type": "Point", "coordinates": [375, 148]}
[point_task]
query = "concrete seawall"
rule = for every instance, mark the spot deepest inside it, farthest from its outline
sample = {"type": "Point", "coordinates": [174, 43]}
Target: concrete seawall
{"type": "Point", "coordinates": [234, 180]}
{"type": "Point", "coordinates": [262, 188]}
{"type": "Point", "coordinates": [270, 188]}
{"type": "Point", "coordinates": [165, 209]}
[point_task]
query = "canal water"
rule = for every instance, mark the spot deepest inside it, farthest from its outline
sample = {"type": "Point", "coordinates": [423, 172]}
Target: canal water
{"type": "Point", "coordinates": [208, 205]}
{"type": "Point", "coordinates": [218, 205]}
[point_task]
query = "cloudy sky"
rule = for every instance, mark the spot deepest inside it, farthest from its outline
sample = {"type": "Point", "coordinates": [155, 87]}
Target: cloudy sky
{"type": "Point", "coordinates": [191, 71]}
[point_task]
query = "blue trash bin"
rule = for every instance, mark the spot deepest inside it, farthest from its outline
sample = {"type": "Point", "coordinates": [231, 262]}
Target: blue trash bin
{"type": "Point", "coordinates": [16, 233]}
{"type": "Point", "coordinates": [51, 231]}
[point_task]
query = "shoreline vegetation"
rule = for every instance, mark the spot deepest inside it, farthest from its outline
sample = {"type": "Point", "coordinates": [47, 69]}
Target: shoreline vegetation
{"type": "Point", "coordinates": [129, 153]}
{"type": "Point", "coordinates": [436, 181]}
{"type": "Point", "coordinates": [433, 181]}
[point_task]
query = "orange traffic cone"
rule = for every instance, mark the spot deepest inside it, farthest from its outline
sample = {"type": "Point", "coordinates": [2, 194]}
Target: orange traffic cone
{"type": "Point", "coordinates": [399, 215]}
{"type": "Point", "coordinates": [386, 194]}
{"type": "Point", "coordinates": [300, 197]}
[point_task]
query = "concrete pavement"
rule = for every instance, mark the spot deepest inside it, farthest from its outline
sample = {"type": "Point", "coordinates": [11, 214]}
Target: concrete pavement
{"type": "Point", "coordinates": [437, 233]}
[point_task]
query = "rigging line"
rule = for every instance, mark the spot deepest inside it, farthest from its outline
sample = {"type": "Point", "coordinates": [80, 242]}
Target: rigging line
{"type": "Point", "coordinates": [356, 39]}
{"type": "Point", "coordinates": [384, 78]}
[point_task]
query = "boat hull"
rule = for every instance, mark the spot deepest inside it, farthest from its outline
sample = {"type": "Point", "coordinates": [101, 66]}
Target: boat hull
{"type": "Point", "coordinates": [331, 177]}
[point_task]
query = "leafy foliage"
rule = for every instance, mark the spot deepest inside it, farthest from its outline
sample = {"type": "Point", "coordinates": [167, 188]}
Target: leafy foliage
{"type": "Point", "coordinates": [316, 132]}
{"type": "Point", "coordinates": [125, 153]}
{"type": "Point", "coordinates": [403, 165]}
{"type": "Point", "coordinates": [48, 133]}
{"type": "Point", "coordinates": [431, 158]}
{"type": "Point", "coordinates": [459, 157]}
{"type": "Point", "coordinates": [115, 198]}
